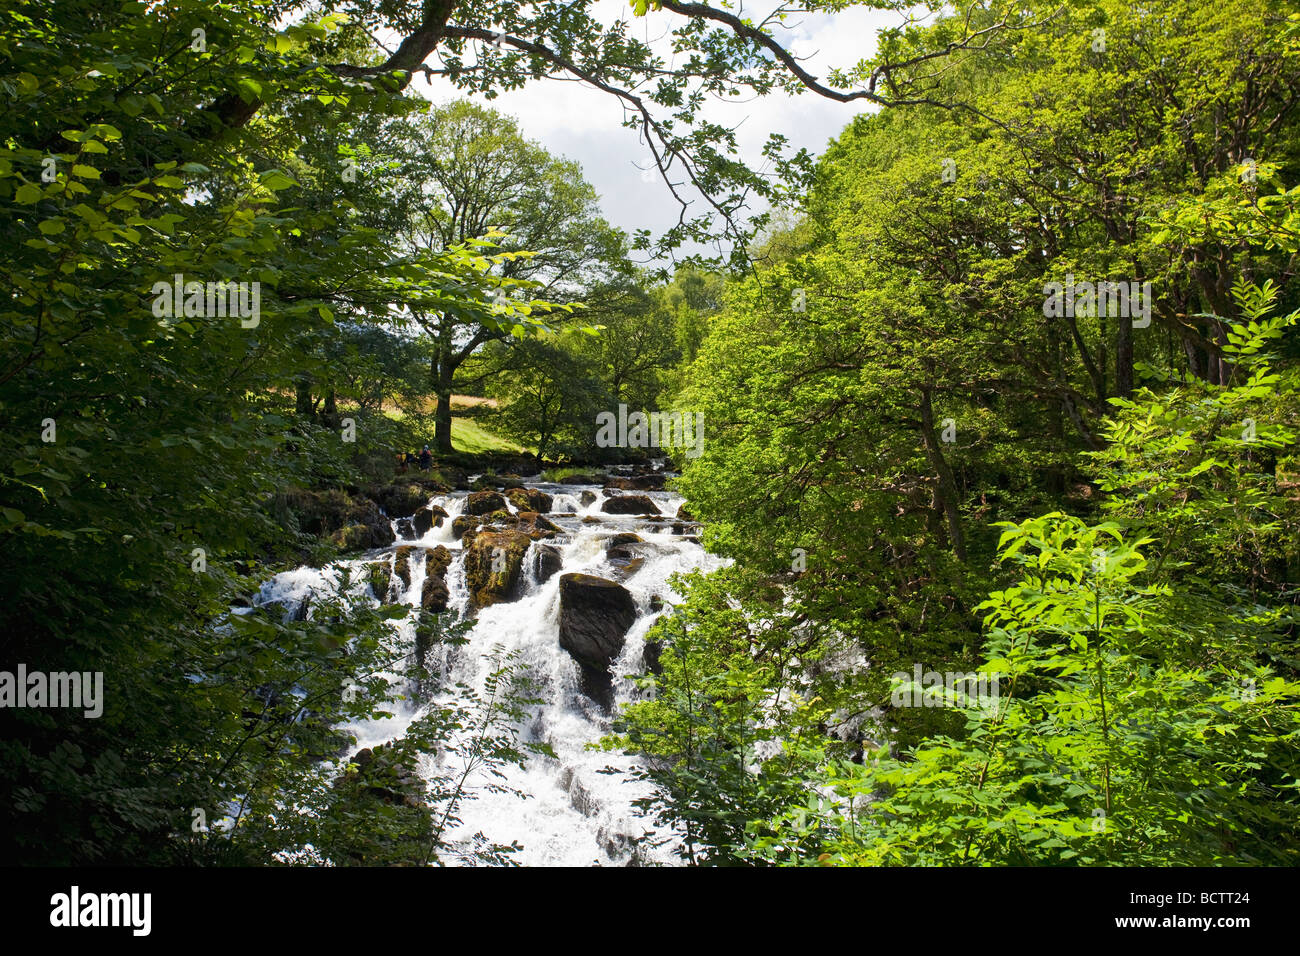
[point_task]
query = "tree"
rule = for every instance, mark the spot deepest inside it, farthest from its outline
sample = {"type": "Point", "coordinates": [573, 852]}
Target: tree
{"type": "Point", "coordinates": [471, 174]}
{"type": "Point", "coordinates": [148, 450]}
{"type": "Point", "coordinates": [483, 46]}
{"type": "Point", "coordinates": [549, 396]}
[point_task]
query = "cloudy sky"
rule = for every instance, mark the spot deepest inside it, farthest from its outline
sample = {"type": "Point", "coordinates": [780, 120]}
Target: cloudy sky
{"type": "Point", "coordinates": [583, 124]}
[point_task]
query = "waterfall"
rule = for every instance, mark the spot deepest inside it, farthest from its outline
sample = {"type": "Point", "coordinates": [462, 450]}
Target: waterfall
{"type": "Point", "coordinates": [574, 814]}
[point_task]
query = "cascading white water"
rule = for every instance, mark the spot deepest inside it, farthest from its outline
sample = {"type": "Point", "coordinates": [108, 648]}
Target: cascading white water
{"type": "Point", "coordinates": [573, 814]}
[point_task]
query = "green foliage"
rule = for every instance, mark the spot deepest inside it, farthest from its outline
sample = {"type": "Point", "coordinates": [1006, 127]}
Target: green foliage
{"type": "Point", "coordinates": [728, 732]}
{"type": "Point", "coordinates": [145, 455]}
{"type": "Point", "coordinates": [1137, 728]}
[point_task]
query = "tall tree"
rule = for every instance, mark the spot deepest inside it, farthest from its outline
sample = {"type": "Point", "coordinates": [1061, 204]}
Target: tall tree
{"type": "Point", "coordinates": [470, 175]}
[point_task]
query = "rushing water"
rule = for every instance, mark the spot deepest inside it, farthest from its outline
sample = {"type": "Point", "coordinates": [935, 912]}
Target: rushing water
{"type": "Point", "coordinates": [573, 814]}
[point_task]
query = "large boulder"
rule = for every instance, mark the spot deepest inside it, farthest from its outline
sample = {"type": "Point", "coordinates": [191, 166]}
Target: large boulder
{"type": "Point", "coordinates": [629, 505]}
{"type": "Point", "coordinates": [434, 594]}
{"type": "Point", "coordinates": [484, 503]}
{"type": "Point", "coordinates": [547, 562]}
{"type": "Point", "coordinates": [492, 565]}
{"type": "Point", "coordinates": [582, 479]}
{"type": "Point", "coordinates": [462, 523]}
{"type": "Point", "coordinates": [529, 499]}
{"type": "Point", "coordinates": [638, 483]}
{"type": "Point", "coordinates": [535, 526]}
{"type": "Point", "coordinates": [352, 523]}
{"type": "Point", "coordinates": [595, 614]}
{"type": "Point", "coordinates": [379, 576]}
{"type": "Point", "coordinates": [373, 530]}
{"type": "Point", "coordinates": [426, 518]}
{"type": "Point", "coordinates": [399, 499]}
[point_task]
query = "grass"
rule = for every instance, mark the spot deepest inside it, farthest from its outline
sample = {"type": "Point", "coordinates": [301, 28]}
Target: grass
{"type": "Point", "coordinates": [470, 437]}
{"type": "Point", "coordinates": [557, 474]}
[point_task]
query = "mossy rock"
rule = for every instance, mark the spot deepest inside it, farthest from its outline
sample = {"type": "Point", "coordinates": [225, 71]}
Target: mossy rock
{"type": "Point", "coordinates": [492, 566]}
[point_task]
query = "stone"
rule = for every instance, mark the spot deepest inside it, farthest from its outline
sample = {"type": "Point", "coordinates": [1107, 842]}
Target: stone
{"type": "Point", "coordinates": [595, 614]}
{"type": "Point", "coordinates": [484, 502]}
{"type": "Point", "coordinates": [629, 505]}
{"type": "Point", "coordinates": [399, 499]}
{"type": "Point", "coordinates": [492, 565]}
{"type": "Point", "coordinates": [637, 483]}
{"type": "Point", "coordinates": [547, 562]}
{"type": "Point", "coordinates": [462, 523]}
{"type": "Point", "coordinates": [427, 518]}
{"type": "Point", "coordinates": [530, 499]}
{"type": "Point", "coordinates": [535, 526]}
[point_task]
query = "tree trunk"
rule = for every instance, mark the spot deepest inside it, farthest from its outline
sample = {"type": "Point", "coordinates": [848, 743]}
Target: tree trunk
{"type": "Point", "coordinates": [302, 398]}
{"type": "Point", "coordinates": [330, 413]}
{"type": "Point", "coordinates": [1124, 356]}
{"type": "Point", "coordinates": [442, 421]}
{"type": "Point", "coordinates": [946, 490]}
{"type": "Point", "coordinates": [443, 367]}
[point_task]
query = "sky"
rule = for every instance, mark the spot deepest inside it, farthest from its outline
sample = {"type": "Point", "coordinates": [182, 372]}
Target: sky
{"type": "Point", "coordinates": [583, 124]}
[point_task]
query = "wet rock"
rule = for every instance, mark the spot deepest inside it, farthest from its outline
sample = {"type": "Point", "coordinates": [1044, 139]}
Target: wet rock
{"type": "Point", "coordinates": [625, 566]}
{"type": "Point", "coordinates": [400, 498]}
{"type": "Point", "coordinates": [437, 560]}
{"type": "Point", "coordinates": [380, 576]}
{"type": "Point", "coordinates": [484, 503]}
{"type": "Point", "coordinates": [351, 523]}
{"type": "Point", "coordinates": [462, 523]}
{"type": "Point", "coordinates": [650, 482]}
{"type": "Point", "coordinates": [622, 552]}
{"type": "Point", "coordinates": [595, 614]}
{"type": "Point", "coordinates": [650, 655]}
{"type": "Point", "coordinates": [402, 564]}
{"type": "Point", "coordinates": [684, 514]}
{"type": "Point", "coordinates": [530, 499]}
{"type": "Point", "coordinates": [405, 528]}
{"type": "Point", "coordinates": [629, 505]}
{"type": "Point", "coordinates": [434, 593]}
{"type": "Point", "coordinates": [535, 526]}
{"type": "Point", "coordinates": [548, 562]}
{"type": "Point", "coordinates": [586, 497]}
{"type": "Point", "coordinates": [492, 565]}
{"type": "Point", "coordinates": [427, 518]}
{"type": "Point", "coordinates": [583, 479]}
